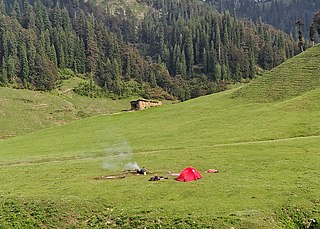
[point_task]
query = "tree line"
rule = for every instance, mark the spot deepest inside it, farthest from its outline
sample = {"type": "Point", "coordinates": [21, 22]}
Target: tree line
{"type": "Point", "coordinates": [180, 49]}
{"type": "Point", "coordinates": [40, 37]}
{"type": "Point", "coordinates": [282, 14]}
{"type": "Point", "coordinates": [203, 47]}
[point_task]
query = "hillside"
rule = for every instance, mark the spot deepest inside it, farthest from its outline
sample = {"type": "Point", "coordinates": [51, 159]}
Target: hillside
{"type": "Point", "coordinates": [291, 79]}
{"type": "Point", "coordinates": [267, 155]}
{"type": "Point", "coordinates": [25, 111]}
{"type": "Point", "coordinates": [152, 49]}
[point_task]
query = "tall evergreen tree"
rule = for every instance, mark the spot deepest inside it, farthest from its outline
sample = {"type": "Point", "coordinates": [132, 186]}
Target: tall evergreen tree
{"type": "Point", "coordinates": [299, 24]}
{"type": "Point", "coordinates": [25, 71]}
{"type": "Point", "coordinates": [189, 53]}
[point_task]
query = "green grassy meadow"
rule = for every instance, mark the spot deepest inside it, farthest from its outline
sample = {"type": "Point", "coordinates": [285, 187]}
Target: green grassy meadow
{"type": "Point", "coordinates": [267, 152]}
{"type": "Point", "coordinates": [25, 111]}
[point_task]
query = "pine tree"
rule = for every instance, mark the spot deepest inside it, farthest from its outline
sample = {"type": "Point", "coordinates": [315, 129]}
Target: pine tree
{"type": "Point", "coordinates": [315, 27]}
{"type": "Point", "coordinates": [29, 21]}
{"type": "Point", "coordinates": [12, 70]}
{"type": "Point", "coordinates": [299, 24]}
{"type": "Point", "coordinates": [45, 75]}
{"type": "Point", "coordinates": [31, 54]}
{"type": "Point", "coordinates": [212, 62]}
{"type": "Point", "coordinates": [181, 65]}
{"type": "Point", "coordinates": [152, 79]}
{"type": "Point", "coordinates": [266, 57]}
{"type": "Point", "coordinates": [116, 78]}
{"type": "Point", "coordinates": [224, 72]}
{"type": "Point", "coordinates": [312, 33]}
{"type": "Point", "coordinates": [4, 73]}
{"type": "Point", "coordinates": [189, 53]}
{"type": "Point", "coordinates": [16, 12]}
{"type": "Point", "coordinates": [53, 55]}
{"type": "Point", "coordinates": [25, 71]}
{"type": "Point", "coordinates": [80, 57]}
{"type": "Point", "coordinates": [218, 40]}
{"type": "Point", "coordinates": [238, 74]}
{"type": "Point", "coordinates": [252, 64]}
{"type": "Point", "coordinates": [2, 8]}
{"type": "Point", "coordinates": [205, 61]}
{"type": "Point", "coordinates": [217, 72]}
{"type": "Point", "coordinates": [164, 50]}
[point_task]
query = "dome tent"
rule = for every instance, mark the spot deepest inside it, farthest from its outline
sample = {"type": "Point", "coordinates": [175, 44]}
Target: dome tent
{"type": "Point", "coordinates": [189, 174]}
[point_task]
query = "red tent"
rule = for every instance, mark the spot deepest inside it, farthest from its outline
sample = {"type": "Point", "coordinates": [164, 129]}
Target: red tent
{"type": "Point", "coordinates": [189, 174]}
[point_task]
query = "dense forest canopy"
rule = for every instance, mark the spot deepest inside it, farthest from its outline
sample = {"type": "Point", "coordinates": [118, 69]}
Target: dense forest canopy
{"type": "Point", "coordinates": [280, 13]}
{"type": "Point", "coordinates": [179, 49]}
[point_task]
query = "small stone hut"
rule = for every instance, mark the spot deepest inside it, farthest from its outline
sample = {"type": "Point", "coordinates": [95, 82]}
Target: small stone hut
{"type": "Point", "coordinates": [141, 104]}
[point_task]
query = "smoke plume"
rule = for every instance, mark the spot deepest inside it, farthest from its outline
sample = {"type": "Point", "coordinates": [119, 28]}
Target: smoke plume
{"type": "Point", "coordinates": [119, 156]}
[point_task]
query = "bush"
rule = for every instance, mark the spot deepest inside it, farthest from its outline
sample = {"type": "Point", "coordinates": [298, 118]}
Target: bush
{"type": "Point", "coordinates": [89, 89]}
{"type": "Point", "coordinates": [66, 73]}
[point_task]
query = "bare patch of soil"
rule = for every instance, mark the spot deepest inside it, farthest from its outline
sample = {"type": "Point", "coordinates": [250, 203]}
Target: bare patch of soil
{"type": "Point", "coordinates": [119, 176]}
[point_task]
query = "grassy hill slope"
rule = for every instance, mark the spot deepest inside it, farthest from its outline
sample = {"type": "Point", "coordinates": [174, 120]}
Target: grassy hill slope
{"type": "Point", "coordinates": [267, 155]}
{"type": "Point", "coordinates": [293, 78]}
{"type": "Point", "coordinates": [24, 111]}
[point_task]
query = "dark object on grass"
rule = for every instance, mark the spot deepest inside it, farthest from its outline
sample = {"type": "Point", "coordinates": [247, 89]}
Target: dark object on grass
{"type": "Point", "coordinates": [312, 224]}
{"type": "Point", "coordinates": [142, 171]}
{"type": "Point", "coordinates": [156, 178]}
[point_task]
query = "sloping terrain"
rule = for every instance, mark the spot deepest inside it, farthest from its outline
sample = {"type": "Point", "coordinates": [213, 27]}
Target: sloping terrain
{"type": "Point", "coordinates": [267, 155]}
{"type": "Point", "coordinates": [292, 78]}
{"type": "Point", "coordinates": [24, 111]}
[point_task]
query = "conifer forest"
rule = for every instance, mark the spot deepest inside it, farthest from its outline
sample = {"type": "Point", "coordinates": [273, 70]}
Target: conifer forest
{"type": "Point", "coordinates": [177, 50]}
